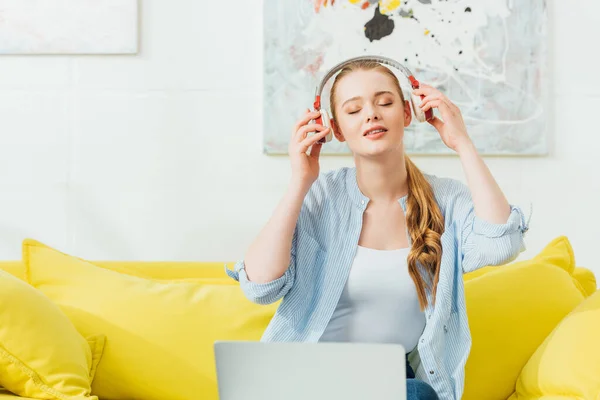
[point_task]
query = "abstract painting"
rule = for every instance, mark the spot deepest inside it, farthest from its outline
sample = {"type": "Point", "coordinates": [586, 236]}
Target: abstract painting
{"type": "Point", "coordinates": [68, 26]}
{"type": "Point", "coordinates": [488, 57]}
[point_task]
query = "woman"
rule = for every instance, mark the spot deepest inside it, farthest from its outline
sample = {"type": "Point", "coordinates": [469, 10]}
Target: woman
{"type": "Point", "coordinates": [375, 253]}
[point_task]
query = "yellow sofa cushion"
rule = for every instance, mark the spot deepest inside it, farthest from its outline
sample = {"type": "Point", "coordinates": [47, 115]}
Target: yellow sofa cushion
{"type": "Point", "coordinates": [41, 353]}
{"type": "Point", "coordinates": [15, 268]}
{"type": "Point", "coordinates": [567, 364]}
{"type": "Point", "coordinates": [511, 310]}
{"type": "Point", "coordinates": [160, 334]}
{"type": "Point", "coordinates": [6, 395]}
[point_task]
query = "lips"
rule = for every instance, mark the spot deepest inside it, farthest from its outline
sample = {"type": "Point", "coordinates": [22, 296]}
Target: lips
{"type": "Point", "coordinates": [375, 130]}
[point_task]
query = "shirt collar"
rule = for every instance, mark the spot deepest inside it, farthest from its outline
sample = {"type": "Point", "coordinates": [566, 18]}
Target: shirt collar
{"type": "Point", "coordinates": [357, 197]}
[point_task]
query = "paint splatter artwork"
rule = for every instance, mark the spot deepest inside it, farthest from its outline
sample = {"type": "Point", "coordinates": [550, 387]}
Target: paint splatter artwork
{"type": "Point", "coordinates": [487, 56]}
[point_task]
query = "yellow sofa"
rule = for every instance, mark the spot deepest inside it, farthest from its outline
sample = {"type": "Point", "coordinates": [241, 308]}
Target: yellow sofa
{"type": "Point", "coordinates": [158, 321]}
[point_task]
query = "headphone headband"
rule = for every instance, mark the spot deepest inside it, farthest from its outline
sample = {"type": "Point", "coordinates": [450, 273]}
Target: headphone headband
{"type": "Point", "coordinates": [341, 65]}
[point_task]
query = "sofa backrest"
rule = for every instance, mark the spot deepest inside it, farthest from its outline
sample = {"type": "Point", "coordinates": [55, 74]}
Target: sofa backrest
{"type": "Point", "coordinates": [168, 270]}
{"type": "Point", "coordinates": [161, 270]}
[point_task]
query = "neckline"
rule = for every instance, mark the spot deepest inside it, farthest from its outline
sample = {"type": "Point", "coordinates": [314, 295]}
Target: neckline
{"type": "Point", "coordinates": [357, 196]}
{"type": "Point", "coordinates": [400, 250]}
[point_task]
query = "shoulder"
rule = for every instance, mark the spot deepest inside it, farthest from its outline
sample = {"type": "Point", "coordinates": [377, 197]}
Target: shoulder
{"type": "Point", "coordinates": [330, 185]}
{"type": "Point", "coordinates": [333, 179]}
{"type": "Point", "coordinates": [328, 189]}
{"type": "Point", "coordinates": [449, 193]}
{"type": "Point", "coordinates": [445, 188]}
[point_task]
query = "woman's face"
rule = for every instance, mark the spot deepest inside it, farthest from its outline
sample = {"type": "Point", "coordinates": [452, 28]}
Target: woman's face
{"type": "Point", "coordinates": [370, 115]}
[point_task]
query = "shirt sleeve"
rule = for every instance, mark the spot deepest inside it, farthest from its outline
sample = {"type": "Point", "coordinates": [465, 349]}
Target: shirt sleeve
{"type": "Point", "coordinates": [484, 243]}
{"type": "Point", "coordinates": [268, 292]}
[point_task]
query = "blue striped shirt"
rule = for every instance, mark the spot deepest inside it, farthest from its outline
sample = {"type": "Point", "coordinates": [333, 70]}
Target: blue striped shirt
{"type": "Point", "coordinates": [325, 241]}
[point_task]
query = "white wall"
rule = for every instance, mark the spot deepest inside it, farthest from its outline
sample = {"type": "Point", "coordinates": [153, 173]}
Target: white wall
{"type": "Point", "coordinates": [159, 156]}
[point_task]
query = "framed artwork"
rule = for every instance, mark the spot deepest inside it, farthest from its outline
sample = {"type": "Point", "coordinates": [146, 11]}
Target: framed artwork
{"type": "Point", "coordinates": [488, 57]}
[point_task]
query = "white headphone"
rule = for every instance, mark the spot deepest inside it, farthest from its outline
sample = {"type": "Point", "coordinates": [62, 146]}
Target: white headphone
{"type": "Point", "coordinates": [325, 120]}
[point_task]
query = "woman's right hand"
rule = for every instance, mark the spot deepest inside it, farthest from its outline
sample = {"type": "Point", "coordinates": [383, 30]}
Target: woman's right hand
{"type": "Point", "coordinates": [305, 166]}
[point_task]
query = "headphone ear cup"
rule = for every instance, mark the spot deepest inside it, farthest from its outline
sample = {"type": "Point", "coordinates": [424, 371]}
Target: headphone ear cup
{"type": "Point", "coordinates": [416, 106]}
{"type": "Point", "coordinates": [328, 123]}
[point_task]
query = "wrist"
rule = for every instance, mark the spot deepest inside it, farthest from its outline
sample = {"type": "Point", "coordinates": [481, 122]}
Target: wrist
{"type": "Point", "coordinates": [298, 188]}
{"type": "Point", "coordinates": [465, 146]}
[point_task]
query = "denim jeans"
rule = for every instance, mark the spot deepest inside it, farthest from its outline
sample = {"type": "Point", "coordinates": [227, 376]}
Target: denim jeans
{"type": "Point", "coordinates": [417, 389]}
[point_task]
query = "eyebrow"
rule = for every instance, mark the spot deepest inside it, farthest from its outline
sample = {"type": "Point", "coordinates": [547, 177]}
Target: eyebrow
{"type": "Point", "coordinates": [376, 95]}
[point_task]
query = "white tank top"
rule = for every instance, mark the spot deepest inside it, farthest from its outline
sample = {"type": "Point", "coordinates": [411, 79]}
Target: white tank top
{"type": "Point", "coordinates": [379, 303]}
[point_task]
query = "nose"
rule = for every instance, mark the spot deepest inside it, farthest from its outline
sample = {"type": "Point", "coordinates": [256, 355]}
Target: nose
{"type": "Point", "coordinates": [372, 114]}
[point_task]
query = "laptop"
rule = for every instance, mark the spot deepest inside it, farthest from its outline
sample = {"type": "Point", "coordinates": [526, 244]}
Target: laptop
{"type": "Point", "coordinates": [310, 371]}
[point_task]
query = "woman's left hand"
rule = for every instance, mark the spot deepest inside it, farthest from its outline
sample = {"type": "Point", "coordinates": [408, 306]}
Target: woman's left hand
{"type": "Point", "coordinates": [451, 127]}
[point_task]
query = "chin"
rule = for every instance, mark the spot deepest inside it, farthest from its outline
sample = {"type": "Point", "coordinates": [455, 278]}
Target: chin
{"type": "Point", "coordinates": [379, 147]}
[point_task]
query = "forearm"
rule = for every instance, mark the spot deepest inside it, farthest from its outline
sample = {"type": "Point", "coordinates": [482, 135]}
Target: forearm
{"type": "Point", "coordinates": [269, 255]}
{"type": "Point", "coordinates": [489, 201]}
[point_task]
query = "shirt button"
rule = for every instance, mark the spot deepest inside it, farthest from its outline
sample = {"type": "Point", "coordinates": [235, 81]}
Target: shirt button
{"type": "Point", "coordinates": [422, 340]}
{"type": "Point", "coordinates": [445, 328]}
{"type": "Point", "coordinates": [431, 372]}
{"type": "Point", "coordinates": [362, 202]}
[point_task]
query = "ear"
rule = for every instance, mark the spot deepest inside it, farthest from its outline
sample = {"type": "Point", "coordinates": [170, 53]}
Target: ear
{"type": "Point", "coordinates": [407, 113]}
{"type": "Point", "coordinates": [337, 132]}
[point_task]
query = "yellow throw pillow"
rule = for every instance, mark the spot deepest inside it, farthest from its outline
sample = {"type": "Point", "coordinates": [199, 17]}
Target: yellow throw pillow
{"type": "Point", "coordinates": [160, 334]}
{"type": "Point", "coordinates": [168, 271]}
{"type": "Point", "coordinates": [41, 353]}
{"type": "Point", "coordinates": [511, 310]}
{"type": "Point", "coordinates": [586, 279]}
{"type": "Point", "coordinates": [567, 364]}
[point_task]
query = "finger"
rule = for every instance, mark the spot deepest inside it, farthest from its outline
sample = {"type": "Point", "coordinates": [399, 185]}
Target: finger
{"type": "Point", "coordinates": [439, 95]}
{"type": "Point", "coordinates": [429, 98]}
{"type": "Point", "coordinates": [315, 150]}
{"type": "Point", "coordinates": [445, 108]}
{"type": "Point", "coordinates": [440, 105]}
{"type": "Point", "coordinates": [435, 103]}
{"type": "Point", "coordinates": [305, 119]}
{"type": "Point", "coordinates": [429, 91]}
{"type": "Point", "coordinates": [425, 90]}
{"type": "Point", "coordinates": [420, 91]}
{"type": "Point", "coordinates": [309, 141]}
{"type": "Point", "coordinates": [436, 122]}
{"type": "Point", "coordinates": [304, 130]}
{"type": "Point", "coordinates": [431, 104]}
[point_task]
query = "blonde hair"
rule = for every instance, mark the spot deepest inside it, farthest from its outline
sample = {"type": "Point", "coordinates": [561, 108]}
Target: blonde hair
{"type": "Point", "coordinates": [424, 219]}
